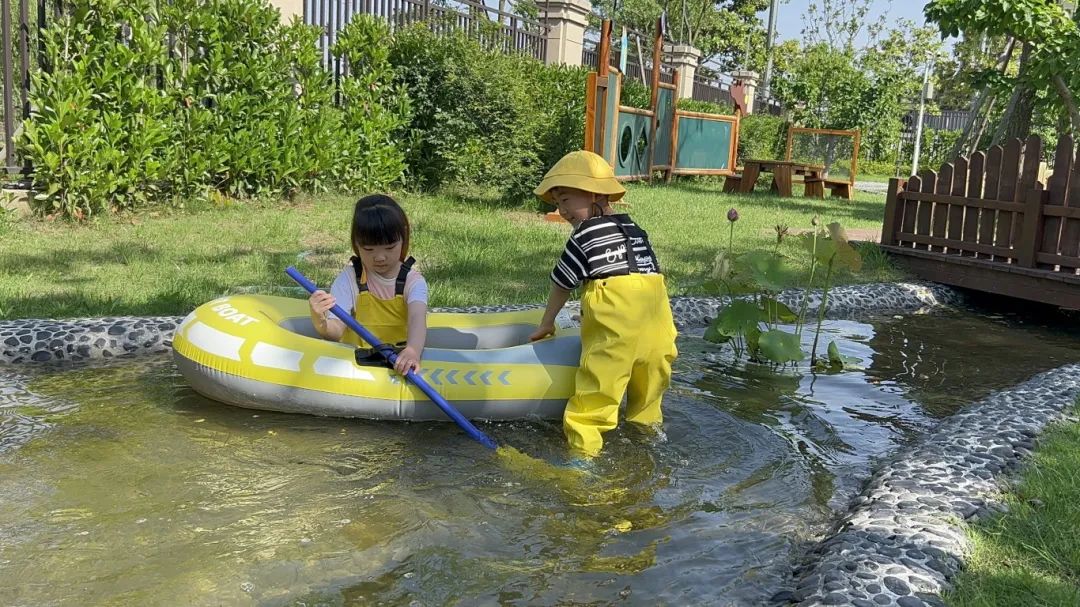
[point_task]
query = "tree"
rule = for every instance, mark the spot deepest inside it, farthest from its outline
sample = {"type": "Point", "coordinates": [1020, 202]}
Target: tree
{"type": "Point", "coordinates": [1051, 43]}
{"type": "Point", "coordinates": [839, 22]}
{"type": "Point", "coordinates": [963, 75]}
{"type": "Point", "coordinates": [827, 88]}
{"type": "Point", "coordinates": [727, 32]}
{"type": "Point", "coordinates": [834, 82]}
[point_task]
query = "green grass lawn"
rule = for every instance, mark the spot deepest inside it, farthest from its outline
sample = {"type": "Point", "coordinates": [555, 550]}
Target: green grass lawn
{"type": "Point", "coordinates": [472, 250]}
{"type": "Point", "coordinates": [1031, 556]}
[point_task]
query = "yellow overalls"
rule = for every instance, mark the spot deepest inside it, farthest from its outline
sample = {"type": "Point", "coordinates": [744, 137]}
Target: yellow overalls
{"type": "Point", "coordinates": [627, 347]}
{"type": "Point", "coordinates": [387, 319]}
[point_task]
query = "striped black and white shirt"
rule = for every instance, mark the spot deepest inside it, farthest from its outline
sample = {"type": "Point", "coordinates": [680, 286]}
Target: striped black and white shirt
{"type": "Point", "coordinates": [597, 249]}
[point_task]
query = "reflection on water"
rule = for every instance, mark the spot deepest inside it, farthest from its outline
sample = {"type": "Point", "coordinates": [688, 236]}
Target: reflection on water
{"type": "Point", "coordinates": [119, 485]}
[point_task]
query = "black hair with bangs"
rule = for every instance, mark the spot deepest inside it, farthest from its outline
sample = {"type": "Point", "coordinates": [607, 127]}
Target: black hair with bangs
{"type": "Point", "coordinates": [379, 220]}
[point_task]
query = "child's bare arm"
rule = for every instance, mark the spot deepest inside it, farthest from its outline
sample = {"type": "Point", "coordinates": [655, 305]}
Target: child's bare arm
{"type": "Point", "coordinates": [556, 300]}
{"type": "Point", "coordinates": [409, 358]}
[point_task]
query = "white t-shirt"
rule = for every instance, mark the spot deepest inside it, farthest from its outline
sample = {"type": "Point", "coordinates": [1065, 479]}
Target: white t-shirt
{"type": "Point", "coordinates": [344, 289]}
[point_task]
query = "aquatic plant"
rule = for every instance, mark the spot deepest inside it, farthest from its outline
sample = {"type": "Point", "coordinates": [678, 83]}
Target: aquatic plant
{"type": "Point", "coordinates": [751, 325]}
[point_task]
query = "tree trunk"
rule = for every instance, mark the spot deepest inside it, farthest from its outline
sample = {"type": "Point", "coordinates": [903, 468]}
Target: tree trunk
{"type": "Point", "coordinates": [982, 126]}
{"type": "Point", "coordinates": [1068, 101]}
{"type": "Point", "coordinates": [1016, 122]}
{"type": "Point", "coordinates": [640, 58]}
{"type": "Point", "coordinates": [976, 105]}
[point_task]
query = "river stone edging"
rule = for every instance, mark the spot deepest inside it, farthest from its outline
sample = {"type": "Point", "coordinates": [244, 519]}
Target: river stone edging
{"type": "Point", "coordinates": [43, 340]}
{"type": "Point", "coordinates": [902, 541]}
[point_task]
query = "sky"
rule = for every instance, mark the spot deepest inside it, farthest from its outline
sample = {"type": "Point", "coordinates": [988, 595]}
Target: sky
{"type": "Point", "coordinates": [790, 13]}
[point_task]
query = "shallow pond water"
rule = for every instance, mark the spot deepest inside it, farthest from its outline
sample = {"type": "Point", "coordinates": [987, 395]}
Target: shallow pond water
{"type": "Point", "coordinates": [121, 486]}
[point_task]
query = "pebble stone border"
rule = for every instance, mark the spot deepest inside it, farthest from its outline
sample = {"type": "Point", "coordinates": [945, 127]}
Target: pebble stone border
{"type": "Point", "coordinates": [40, 340]}
{"type": "Point", "coordinates": [901, 540]}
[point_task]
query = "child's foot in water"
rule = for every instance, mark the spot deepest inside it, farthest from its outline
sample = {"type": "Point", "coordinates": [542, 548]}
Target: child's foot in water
{"type": "Point", "coordinates": [581, 463]}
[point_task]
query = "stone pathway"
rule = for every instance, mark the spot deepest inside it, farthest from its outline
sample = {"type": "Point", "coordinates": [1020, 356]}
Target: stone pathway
{"type": "Point", "coordinates": [873, 187]}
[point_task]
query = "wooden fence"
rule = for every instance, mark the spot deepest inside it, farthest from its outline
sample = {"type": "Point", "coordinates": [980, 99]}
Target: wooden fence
{"type": "Point", "coordinates": [509, 32]}
{"type": "Point", "coordinates": [988, 223]}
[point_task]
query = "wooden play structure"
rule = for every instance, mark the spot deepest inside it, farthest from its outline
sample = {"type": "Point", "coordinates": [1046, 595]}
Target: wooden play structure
{"type": "Point", "coordinates": [638, 143]}
{"type": "Point", "coordinates": [988, 223]}
{"type": "Point", "coordinates": [818, 158]}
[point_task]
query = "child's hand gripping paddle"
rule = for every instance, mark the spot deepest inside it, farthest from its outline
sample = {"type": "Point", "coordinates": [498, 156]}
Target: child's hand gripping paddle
{"type": "Point", "coordinates": [391, 356]}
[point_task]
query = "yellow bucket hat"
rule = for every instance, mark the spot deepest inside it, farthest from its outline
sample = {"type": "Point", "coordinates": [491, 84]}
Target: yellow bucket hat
{"type": "Point", "coordinates": [583, 171]}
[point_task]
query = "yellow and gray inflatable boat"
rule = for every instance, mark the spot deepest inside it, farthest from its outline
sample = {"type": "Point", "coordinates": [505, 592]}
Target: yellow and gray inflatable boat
{"type": "Point", "coordinates": [262, 352]}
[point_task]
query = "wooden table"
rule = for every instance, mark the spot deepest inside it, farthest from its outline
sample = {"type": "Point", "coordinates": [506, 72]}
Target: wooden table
{"type": "Point", "coordinates": [783, 172]}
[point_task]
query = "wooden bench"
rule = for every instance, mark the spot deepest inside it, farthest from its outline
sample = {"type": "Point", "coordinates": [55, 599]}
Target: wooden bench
{"type": "Point", "coordinates": [815, 188]}
{"type": "Point", "coordinates": [732, 182]}
{"type": "Point", "coordinates": [839, 189]}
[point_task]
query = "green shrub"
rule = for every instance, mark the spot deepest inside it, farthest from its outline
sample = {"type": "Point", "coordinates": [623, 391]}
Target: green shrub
{"type": "Point", "coordinates": [634, 94]}
{"type": "Point", "coordinates": [238, 101]}
{"type": "Point", "coordinates": [150, 102]}
{"type": "Point", "coordinates": [707, 107]}
{"type": "Point", "coordinates": [481, 117]}
{"type": "Point", "coordinates": [762, 136]}
{"type": "Point", "coordinates": [99, 119]}
{"type": "Point", "coordinates": [935, 148]}
{"type": "Point", "coordinates": [468, 123]}
{"type": "Point", "coordinates": [558, 110]}
{"type": "Point", "coordinates": [881, 167]}
{"type": "Point", "coordinates": [376, 109]}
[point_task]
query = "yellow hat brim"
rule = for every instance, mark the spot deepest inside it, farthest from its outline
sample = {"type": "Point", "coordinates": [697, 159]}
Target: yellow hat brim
{"type": "Point", "coordinates": [597, 185]}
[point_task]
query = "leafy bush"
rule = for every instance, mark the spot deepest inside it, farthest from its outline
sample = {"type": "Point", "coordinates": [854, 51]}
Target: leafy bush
{"type": "Point", "coordinates": [707, 107]}
{"type": "Point", "coordinates": [238, 100]}
{"type": "Point", "coordinates": [148, 102]}
{"type": "Point", "coordinates": [762, 136]}
{"type": "Point", "coordinates": [376, 109]}
{"type": "Point", "coordinates": [935, 148]}
{"type": "Point", "coordinates": [559, 112]}
{"type": "Point", "coordinates": [482, 117]}
{"type": "Point", "coordinates": [881, 167]}
{"type": "Point", "coordinates": [635, 94]}
{"type": "Point", "coordinates": [470, 121]}
{"type": "Point", "coordinates": [99, 118]}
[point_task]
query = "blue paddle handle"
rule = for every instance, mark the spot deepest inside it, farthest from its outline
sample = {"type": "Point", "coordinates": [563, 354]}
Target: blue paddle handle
{"type": "Point", "coordinates": [391, 356]}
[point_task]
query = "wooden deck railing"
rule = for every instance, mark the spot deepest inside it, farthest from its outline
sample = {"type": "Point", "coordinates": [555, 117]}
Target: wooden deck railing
{"type": "Point", "coordinates": [989, 223]}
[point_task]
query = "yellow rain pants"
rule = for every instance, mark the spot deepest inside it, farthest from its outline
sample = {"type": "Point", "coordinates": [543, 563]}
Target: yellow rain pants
{"type": "Point", "coordinates": [387, 319]}
{"type": "Point", "coordinates": [627, 346]}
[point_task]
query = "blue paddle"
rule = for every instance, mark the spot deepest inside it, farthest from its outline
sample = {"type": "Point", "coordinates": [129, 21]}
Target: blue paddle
{"type": "Point", "coordinates": [391, 356]}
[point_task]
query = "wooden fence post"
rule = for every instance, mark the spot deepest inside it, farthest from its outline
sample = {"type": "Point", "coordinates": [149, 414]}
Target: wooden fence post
{"type": "Point", "coordinates": [1031, 232]}
{"type": "Point", "coordinates": [893, 209]}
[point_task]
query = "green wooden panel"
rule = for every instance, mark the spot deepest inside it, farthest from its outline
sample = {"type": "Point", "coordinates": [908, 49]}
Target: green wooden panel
{"type": "Point", "coordinates": [665, 115]}
{"type": "Point", "coordinates": [611, 116]}
{"type": "Point", "coordinates": [703, 144]}
{"type": "Point", "coordinates": [632, 146]}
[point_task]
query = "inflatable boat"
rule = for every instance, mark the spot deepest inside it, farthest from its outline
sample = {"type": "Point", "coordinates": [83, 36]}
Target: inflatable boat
{"type": "Point", "coordinates": [262, 352]}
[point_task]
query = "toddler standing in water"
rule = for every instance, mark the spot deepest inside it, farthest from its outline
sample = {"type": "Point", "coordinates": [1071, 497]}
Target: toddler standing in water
{"type": "Point", "coordinates": [627, 330]}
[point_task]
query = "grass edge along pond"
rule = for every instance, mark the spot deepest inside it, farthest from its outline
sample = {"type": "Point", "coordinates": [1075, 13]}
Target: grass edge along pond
{"type": "Point", "coordinates": [1031, 555]}
{"type": "Point", "coordinates": [472, 250]}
